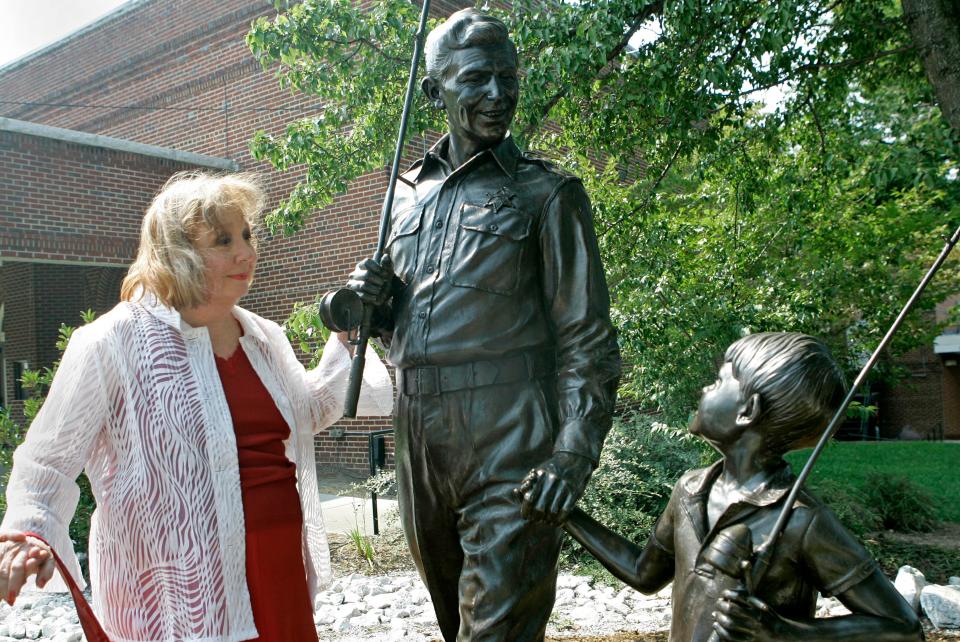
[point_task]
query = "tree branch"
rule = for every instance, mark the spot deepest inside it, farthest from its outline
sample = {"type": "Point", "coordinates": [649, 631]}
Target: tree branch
{"type": "Point", "coordinates": [829, 8]}
{"type": "Point", "coordinates": [650, 10]}
{"type": "Point", "coordinates": [741, 40]}
{"type": "Point", "coordinates": [653, 190]}
{"type": "Point", "coordinates": [853, 62]}
{"type": "Point", "coordinates": [816, 121]}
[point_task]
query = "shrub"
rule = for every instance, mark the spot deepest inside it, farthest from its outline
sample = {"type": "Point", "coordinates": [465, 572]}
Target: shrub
{"type": "Point", "coordinates": [384, 484]}
{"type": "Point", "coordinates": [901, 503]}
{"type": "Point", "coordinates": [938, 563]}
{"type": "Point", "coordinates": [11, 434]}
{"type": "Point", "coordinates": [639, 465]}
{"type": "Point", "coordinates": [849, 504]}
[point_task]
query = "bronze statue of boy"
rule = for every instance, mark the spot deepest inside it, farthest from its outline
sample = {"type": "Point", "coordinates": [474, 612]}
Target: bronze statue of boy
{"type": "Point", "coordinates": [775, 392]}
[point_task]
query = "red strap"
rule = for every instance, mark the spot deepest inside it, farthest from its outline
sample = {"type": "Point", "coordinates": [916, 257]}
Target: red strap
{"type": "Point", "coordinates": [88, 621]}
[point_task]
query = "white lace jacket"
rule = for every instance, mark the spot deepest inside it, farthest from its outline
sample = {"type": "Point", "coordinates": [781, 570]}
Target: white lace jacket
{"type": "Point", "coordinates": [137, 402]}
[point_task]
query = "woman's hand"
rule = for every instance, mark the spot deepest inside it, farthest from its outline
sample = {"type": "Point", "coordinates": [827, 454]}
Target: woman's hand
{"type": "Point", "coordinates": [345, 340]}
{"type": "Point", "coordinates": [20, 557]}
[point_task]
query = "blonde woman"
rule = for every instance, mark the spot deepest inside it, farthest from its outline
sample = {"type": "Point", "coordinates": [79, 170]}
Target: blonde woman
{"type": "Point", "coordinates": [194, 421]}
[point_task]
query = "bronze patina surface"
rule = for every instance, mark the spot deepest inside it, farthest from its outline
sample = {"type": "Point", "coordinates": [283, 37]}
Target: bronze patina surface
{"type": "Point", "coordinates": [495, 309]}
{"type": "Point", "coordinates": [775, 392]}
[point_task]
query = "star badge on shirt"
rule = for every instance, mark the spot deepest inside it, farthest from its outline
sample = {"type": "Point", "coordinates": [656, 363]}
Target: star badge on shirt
{"type": "Point", "coordinates": [500, 199]}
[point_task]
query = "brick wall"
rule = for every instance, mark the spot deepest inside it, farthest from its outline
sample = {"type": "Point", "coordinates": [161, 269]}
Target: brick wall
{"type": "Point", "coordinates": [63, 293]}
{"type": "Point", "coordinates": [38, 298]}
{"type": "Point", "coordinates": [17, 293]}
{"type": "Point", "coordinates": [951, 401]}
{"type": "Point", "coordinates": [62, 201]}
{"type": "Point", "coordinates": [915, 404]}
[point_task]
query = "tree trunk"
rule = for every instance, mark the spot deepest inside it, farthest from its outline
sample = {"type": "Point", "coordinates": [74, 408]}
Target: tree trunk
{"type": "Point", "coordinates": [935, 30]}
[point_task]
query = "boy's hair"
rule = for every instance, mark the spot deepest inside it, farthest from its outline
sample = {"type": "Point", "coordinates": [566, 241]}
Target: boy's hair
{"type": "Point", "coordinates": [464, 29]}
{"type": "Point", "coordinates": [799, 383]}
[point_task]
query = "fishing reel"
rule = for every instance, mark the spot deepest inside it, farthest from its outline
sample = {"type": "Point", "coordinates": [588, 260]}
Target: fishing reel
{"type": "Point", "coordinates": [342, 311]}
{"type": "Point", "coordinates": [731, 553]}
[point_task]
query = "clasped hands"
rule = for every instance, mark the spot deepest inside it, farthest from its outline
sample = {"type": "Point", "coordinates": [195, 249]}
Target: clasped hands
{"type": "Point", "coordinates": [20, 557]}
{"type": "Point", "coordinates": [550, 491]}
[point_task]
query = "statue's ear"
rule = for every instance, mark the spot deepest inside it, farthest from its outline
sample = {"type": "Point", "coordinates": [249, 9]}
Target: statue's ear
{"type": "Point", "coordinates": [432, 89]}
{"type": "Point", "coordinates": [750, 410]}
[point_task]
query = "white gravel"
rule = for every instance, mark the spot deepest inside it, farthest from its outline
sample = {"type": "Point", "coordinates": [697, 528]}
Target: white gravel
{"type": "Point", "coordinates": [394, 608]}
{"type": "Point", "coordinates": [379, 609]}
{"type": "Point", "coordinates": [397, 607]}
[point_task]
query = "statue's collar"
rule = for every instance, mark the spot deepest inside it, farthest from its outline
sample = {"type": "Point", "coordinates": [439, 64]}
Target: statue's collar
{"type": "Point", "coordinates": [776, 486]}
{"type": "Point", "coordinates": [505, 153]}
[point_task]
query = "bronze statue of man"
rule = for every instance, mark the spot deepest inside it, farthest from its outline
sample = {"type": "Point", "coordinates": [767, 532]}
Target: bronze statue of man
{"type": "Point", "coordinates": [493, 303]}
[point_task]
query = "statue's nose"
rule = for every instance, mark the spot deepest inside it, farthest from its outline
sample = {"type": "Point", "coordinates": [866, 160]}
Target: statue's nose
{"type": "Point", "coordinates": [494, 90]}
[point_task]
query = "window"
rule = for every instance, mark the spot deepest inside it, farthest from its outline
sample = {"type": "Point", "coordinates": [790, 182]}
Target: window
{"type": "Point", "coordinates": [3, 379]}
{"type": "Point", "coordinates": [19, 367]}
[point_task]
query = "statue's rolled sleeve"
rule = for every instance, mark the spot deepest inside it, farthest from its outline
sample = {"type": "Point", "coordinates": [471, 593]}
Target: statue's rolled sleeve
{"type": "Point", "coordinates": [835, 559]}
{"type": "Point", "coordinates": [578, 306]}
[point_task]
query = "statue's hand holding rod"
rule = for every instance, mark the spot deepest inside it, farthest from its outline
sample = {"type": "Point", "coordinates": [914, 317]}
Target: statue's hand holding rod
{"type": "Point", "coordinates": [372, 280]}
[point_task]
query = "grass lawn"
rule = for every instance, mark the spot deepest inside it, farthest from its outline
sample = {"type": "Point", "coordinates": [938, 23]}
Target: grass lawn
{"type": "Point", "coordinates": [933, 465]}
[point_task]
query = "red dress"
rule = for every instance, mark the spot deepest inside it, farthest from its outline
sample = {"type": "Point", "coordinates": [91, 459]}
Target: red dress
{"type": "Point", "coordinates": [276, 576]}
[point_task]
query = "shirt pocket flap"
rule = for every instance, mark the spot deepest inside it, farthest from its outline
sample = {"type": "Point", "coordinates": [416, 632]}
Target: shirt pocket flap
{"type": "Point", "coordinates": [506, 222]}
{"type": "Point", "coordinates": [405, 223]}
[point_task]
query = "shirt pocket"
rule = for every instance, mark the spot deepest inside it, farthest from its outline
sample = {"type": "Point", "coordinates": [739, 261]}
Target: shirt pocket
{"type": "Point", "coordinates": [402, 244]}
{"type": "Point", "coordinates": [489, 248]}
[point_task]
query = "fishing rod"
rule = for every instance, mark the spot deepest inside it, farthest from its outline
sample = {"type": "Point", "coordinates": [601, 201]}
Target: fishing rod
{"type": "Point", "coordinates": [764, 552]}
{"type": "Point", "coordinates": [732, 552]}
{"type": "Point", "coordinates": [340, 309]}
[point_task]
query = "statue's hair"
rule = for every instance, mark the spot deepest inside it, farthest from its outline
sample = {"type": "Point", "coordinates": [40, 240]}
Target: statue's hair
{"type": "Point", "coordinates": [168, 264]}
{"type": "Point", "coordinates": [799, 383]}
{"type": "Point", "coordinates": [463, 29]}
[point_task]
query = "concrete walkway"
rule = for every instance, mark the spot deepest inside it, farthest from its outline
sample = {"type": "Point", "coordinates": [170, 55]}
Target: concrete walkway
{"type": "Point", "coordinates": [342, 514]}
{"type": "Point", "coordinates": [343, 509]}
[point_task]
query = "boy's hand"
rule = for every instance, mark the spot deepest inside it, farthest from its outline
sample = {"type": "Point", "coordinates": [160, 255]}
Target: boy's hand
{"type": "Point", "coordinates": [551, 490]}
{"type": "Point", "coordinates": [525, 489]}
{"type": "Point", "coordinates": [739, 618]}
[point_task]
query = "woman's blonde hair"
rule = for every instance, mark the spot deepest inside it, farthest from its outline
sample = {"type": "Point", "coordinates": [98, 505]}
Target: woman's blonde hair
{"type": "Point", "coordinates": [191, 203]}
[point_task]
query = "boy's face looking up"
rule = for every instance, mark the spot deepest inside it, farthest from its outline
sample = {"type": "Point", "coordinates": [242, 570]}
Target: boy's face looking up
{"type": "Point", "coordinates": [723, 413]}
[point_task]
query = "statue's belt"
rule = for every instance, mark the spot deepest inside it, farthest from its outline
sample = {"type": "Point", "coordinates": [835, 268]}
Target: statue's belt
{"type": "Point", "coordinates": [433, 380]}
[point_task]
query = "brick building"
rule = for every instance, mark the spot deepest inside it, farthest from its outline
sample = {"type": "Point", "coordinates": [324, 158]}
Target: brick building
{"type": "Point", "coordinates": [93, 124]}
{"type": "Point", "coordinates": [70, 209]}
{"type": "Point", "coordinates": [926, 403]}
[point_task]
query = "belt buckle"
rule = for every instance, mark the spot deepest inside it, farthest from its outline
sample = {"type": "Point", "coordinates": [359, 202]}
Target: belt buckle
{"type": "Point", "coordinates": [428, 380]}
